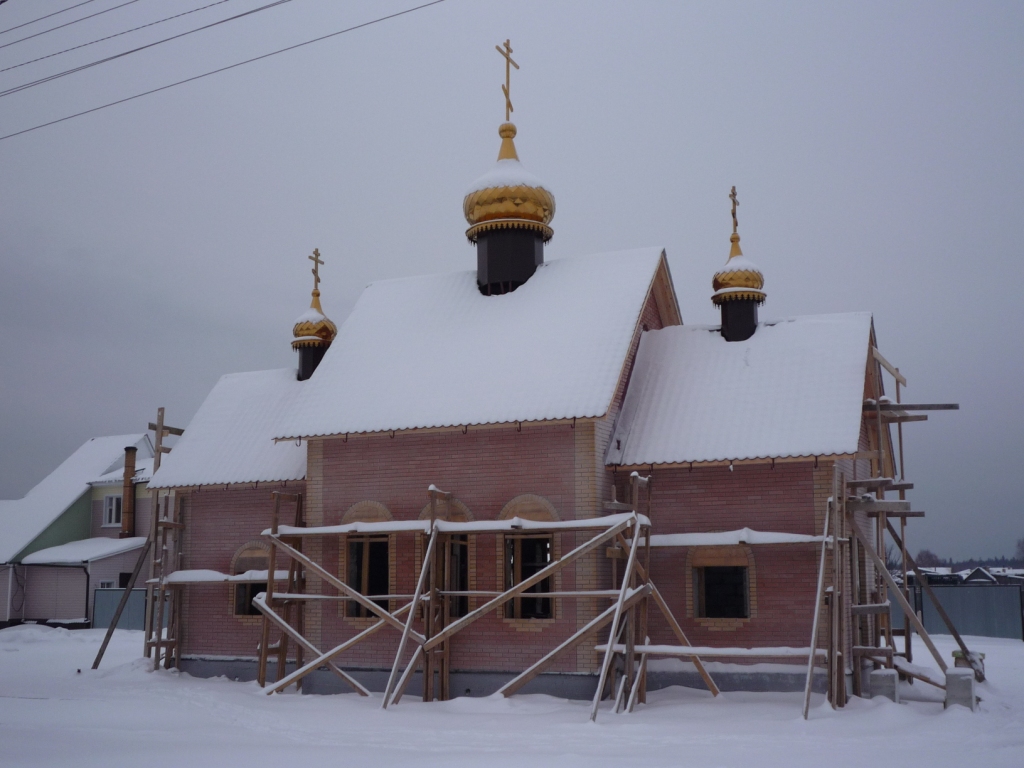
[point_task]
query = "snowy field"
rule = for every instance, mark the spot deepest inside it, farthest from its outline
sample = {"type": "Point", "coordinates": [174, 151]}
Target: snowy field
{"type": "Point", "coordinates": [124, 715]}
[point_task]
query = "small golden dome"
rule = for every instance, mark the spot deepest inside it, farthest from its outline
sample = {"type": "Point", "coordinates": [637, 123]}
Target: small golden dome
{"type": "Point", "coordinates": [740, 279]}
{"type": "Point", "coordinates": [508, 196]}
{"type": "Point", "coordinates": [313, 328]}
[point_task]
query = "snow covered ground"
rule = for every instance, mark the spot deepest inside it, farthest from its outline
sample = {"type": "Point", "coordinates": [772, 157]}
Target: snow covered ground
{"type": "Point", "coordinates": [122, 714]}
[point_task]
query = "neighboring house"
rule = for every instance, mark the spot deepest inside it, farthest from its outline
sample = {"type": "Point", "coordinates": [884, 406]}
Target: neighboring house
{"type": "Point", "coordinates": [64, 539]}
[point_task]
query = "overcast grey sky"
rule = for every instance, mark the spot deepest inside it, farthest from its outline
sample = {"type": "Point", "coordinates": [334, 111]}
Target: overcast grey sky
{"type": "Point", "coordinates": [147, 249]}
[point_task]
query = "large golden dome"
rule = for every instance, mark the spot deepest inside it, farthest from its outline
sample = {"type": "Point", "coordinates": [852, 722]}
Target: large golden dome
{"type": "Point", "coordinates": [508, 196]}
{"type": "Point", "coordinates": [313, 328]}
{"type": "Point", "coordinates": [739, 279]}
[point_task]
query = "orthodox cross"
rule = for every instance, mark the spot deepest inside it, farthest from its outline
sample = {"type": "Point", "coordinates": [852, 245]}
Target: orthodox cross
{"type": "Point", "coordinates": [735, 202]}
{"type": "Point", "coordinates": [317, 261]}
{"type": "Point", "coordinates": [507, 53]}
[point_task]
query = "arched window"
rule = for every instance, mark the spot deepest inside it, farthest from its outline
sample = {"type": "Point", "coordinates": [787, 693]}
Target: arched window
{"type": "Point", "coordinates": [527, 553]}
{"type": "Point", "coordinates": [368, 557]}
{"type": "Point", "coordinates": [460, 546]}
{"type": "Point", "coordinates": [253, 556]}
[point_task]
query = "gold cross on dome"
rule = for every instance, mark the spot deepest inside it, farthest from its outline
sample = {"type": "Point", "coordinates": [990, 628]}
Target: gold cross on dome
{"type": "Point", "coordinates": [317, 261]}
{"type": "Point", "coordinates": [735, 202]}
{"type": "Point", "coordinates": [507, 53]}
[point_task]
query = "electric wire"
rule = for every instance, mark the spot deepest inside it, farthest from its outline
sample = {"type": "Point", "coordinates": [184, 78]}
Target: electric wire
{"type": "Point", "coordinates": [222, 69]}
{"type": "Point", "coordinates": [19, 26]}
{"type": "Point", "coordinates": [118, 34]}
{"type": "Point", "coordinates": [68, 24]}
{"type": "Point", "coordinates": [121, 55]}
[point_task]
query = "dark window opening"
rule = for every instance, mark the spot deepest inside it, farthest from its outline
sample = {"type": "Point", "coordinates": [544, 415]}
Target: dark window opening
{"type": "Point", "coordinates": [369, 572]}
{"type": "Point", "coordinates": [253, 558]}
{"type": "Point", "coordinates": [458, 575]}
{"type": "Point", "coordinates": [244, 593]}
{"type": "Point", "coordinates": [123, 579]}
{"type": "Point", "coordinates": [722, 592]}
{"type": "Point", "coordinates": [525, 556]}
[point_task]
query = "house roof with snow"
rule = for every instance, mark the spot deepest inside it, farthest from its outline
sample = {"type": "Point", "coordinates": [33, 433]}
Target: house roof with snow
{"type": "Point", "coordinates": [143, 473]}
{"type": "Point", "coordinates": [22, 521]}
{"type": "Point", "coordinates": [434, 352]}
{"type": "Point", "coordinates": [231, 437]}
{"type": "Point", "coordinates": [795, 388]}
{"type": "Point", "coordinates": [83, 551]}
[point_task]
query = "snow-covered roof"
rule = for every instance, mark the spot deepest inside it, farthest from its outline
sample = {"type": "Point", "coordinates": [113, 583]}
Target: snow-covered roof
{"type": "Point", "coordinates": [433, 352]}
{"type": "Point", "coordinates": [83, 551]}
{"type": "Point", "coordinates": [143, 472]}
{"type": "Point", "coordinates": [22, 520]}
{"type": "Point", "coordinates": [794, 388]}
{"type": "Point", "coordinates": [230, 439]}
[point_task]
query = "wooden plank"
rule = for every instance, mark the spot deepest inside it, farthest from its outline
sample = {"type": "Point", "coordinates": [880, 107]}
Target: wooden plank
{"type": "Point", "coordinates": [888, 366]}
{"type": "Point", "coordinates": [626, 574]}
{"type": "Point", "coordinates": [902, 418]}
{"type": "Point", "coordinates": [888, 406]}
{"type": "Point", "coordinates": [618, 506]}
{"type": "Point", "coordinates": [889, 507]}
{"type": "Point", "coordinates": [819, 592]}
{"type": "Point", "coordinates": [167, 430]}
{"type": "Point", "coordinates": [122, 603]}
{"type": "Point", "coordinates": [915, 513]}
{"type": "Point", "coordinates": [412, 615]}
{"type": "Point", "coordinates": [577, 637]}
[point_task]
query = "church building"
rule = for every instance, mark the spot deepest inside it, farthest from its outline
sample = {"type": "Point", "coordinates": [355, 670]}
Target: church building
{"type": "Point", "coordinates": [532, 475]}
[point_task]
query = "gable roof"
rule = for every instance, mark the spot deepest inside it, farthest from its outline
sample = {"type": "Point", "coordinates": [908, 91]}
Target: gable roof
{"type": "Point", "coordinates": [794, 388]}
{"type": "Point", "coordinates": [22, 520]}
{"type": "Point", "coordinates": [231, 437]}
{"type": "Point", "coordinates": [433, 352]}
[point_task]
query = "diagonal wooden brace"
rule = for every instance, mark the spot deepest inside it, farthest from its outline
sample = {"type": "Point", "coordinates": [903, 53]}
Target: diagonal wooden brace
{"type": "Point", "coordinates": [260, 601]}
{"type": "Point", "coordinates": [896, 591]}
{"type": "Point", "coordinates": [341, 586]}
{"type": "Point", "coordinates": [524, 585]}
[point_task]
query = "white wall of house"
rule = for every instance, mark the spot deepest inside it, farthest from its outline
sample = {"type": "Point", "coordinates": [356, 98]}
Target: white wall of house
{"type": "Point", "coordinates": [54, 592]}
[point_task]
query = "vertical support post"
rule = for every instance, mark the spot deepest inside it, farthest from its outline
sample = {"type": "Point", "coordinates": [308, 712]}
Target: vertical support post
{"type": "Point", "coordinates": [271, 566]}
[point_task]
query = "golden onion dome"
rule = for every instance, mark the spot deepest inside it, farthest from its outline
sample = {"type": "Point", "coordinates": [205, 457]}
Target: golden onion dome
{"type": "Point", "coordinates": [739, 279]}
{"type": "Point", "coordinates": [508, 196]}
{"type": "Point", "coordinates": [313, 328]}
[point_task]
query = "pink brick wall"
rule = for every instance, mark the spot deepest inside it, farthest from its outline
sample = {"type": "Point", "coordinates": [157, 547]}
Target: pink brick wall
{"type": "Point", "coordinates": [218, 522]}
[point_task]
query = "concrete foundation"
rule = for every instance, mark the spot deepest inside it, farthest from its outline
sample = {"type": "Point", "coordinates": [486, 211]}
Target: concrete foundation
{"type": "Point", "coordinates": [884, 683]}
{"type": "Point", "coordinates": [564, 686]}
{"type": "Point", "coordinates": [960, 688]}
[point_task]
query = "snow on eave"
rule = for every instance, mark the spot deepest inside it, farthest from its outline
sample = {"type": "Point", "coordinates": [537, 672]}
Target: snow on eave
{"type": "Point", "coordinates": [83, 551]}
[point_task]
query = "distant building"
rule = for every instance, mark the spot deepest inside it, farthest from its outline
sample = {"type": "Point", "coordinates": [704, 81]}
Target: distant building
{"type": "Point", "coordinates": [68, 537]}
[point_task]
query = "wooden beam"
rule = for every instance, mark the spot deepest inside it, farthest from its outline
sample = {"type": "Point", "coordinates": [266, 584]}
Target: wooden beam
{"type": "Point", "coordinates": [888, 366]}
{"type": "Point", "coordinates": [907, 513]}
{"type": "Point", "coordinates": [870, 609]}
{"type": "Point", "coordinates": [167, 430]}
{"type": "Point", "coordinates": [902, 418]}
{"type": "Point", "coordinates": [579, 636]}
{"type": "Point", "coordinates": [888, 507]}
{"type": "Point", "coordinates": [870, 483]}
{"type": "Point", "coordinates": [888, 406]}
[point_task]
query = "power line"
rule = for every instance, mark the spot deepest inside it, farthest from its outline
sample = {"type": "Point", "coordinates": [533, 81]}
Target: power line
{"type": "Point", "coordinates": [68, 24]}
{"type": "Point", "coordinates": [222, 69]}
{"type": "Point", "coordinates": [19, 26]}
{"type": "Point", "coordinates": [109, 37]}
{"type": "Point", "coordinates": [92, 64]}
